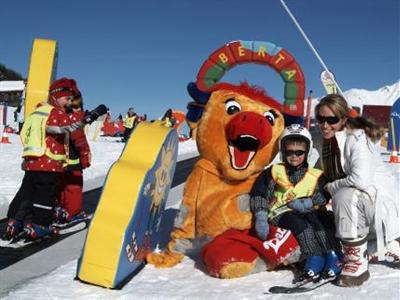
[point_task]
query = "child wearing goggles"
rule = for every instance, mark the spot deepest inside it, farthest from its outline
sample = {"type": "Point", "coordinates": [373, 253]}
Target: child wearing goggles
{"type": "Point", "coordinates": [290, 195]}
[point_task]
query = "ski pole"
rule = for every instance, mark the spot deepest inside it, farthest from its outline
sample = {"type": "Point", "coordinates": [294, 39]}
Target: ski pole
{"type": "Point", "coordinates": [308, 114]}
{"type": "Point", "coordinates": [309, 42]}
{"type": "Point", "coordinates": [394, 148]}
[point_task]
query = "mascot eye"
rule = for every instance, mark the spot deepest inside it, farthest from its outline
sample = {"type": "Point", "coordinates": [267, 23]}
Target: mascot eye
{"type": "Point", "coordinates": [232, 107]}
{"type": "Point", "coordinates": [270, 115]}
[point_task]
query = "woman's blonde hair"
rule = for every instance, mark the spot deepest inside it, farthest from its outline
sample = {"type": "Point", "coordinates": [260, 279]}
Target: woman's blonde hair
{"type": "Point", "coordinates": [338, 105]}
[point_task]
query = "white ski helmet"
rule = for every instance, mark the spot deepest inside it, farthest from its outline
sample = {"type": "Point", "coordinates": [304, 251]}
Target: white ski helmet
{"type": "Point", "coordinates": [296, 131]}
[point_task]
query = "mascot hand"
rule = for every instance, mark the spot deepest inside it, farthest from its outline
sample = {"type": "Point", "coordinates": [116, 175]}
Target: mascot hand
{"type": "Point", "coordinates": [165, 259]}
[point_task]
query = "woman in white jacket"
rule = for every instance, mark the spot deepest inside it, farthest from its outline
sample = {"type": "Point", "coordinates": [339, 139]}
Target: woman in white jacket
{"type": "Point", "coordinates": [365, 198]}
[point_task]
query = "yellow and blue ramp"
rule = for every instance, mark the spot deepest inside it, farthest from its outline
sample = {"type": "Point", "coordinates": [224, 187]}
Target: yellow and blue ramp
{"type": "Point", "coordinates": [126, 224]}
{"type": "Point", "coordinates": [42, 71]}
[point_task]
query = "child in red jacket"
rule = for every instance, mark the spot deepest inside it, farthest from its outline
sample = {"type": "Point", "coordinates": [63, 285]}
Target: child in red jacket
{"type": "Point", "coordinates": [30, 213]}
{"type": "Point", "coordinates": [70, 208]}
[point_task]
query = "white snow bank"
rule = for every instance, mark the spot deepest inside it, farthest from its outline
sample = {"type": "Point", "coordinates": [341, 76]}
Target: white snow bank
{"type": "Point", "coordinates": [186, 281]}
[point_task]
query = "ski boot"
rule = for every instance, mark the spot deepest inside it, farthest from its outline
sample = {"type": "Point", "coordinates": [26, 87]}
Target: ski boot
{"type": "Point", "coordinates": [13, 229]}
{"type": "Point", "coordinates": [312, 269]}
{"type": "Point", "coordinates": [82, 216]}
{"type": "Point", "coordinates": [392, 255]}
{"type": "Point", "coordinates": [333, 266]}
{"type": "Point", "coordinates": [60, 215]}
{"type": "Point", "coordinates": [392, 260]}
{"type": "Point", "coordinates": [35, 231]}
{"type": "Point", "coordinates": [65, 220]}
{"type": "Point", "coordinates": [355, 264]}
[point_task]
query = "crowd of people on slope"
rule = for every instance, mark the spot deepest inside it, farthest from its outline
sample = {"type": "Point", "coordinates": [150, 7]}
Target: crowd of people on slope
{"type": "Point", "coordinates": [132, 119]}
{"type": "Point", "coordinates": [355, 181]}
{"type": "Point", "coordinates": [122, 127]}
{"type": "Point", "coordinates": [128, 123]}
{"type": "Point", "coordinates": [55, 151]}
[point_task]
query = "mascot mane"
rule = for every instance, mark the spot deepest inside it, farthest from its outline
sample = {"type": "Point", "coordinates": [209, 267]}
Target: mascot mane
{"type": "Point", "coordinates": [251, 91]}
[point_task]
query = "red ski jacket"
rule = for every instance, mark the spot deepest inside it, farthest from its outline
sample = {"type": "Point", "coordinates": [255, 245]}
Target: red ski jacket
{"type": "Point", "coordinates": [57, 126]}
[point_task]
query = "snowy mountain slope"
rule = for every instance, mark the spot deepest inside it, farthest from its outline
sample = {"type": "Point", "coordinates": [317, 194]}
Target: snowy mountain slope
{"type": "Point", "coordinates": [386, 95]}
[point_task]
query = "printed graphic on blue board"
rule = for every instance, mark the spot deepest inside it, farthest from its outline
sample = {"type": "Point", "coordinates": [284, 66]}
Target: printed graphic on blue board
{"type": "Point", "coordinates": [143, 233]}
{"type": "Point", "coordinates": [394, 127]}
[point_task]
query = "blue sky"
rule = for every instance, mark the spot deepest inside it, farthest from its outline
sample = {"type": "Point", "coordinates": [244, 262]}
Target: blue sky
{"type": "Point", "coordinates": [157, 47]}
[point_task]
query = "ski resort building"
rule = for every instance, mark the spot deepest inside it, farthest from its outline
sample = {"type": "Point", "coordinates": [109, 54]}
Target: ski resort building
{"type": "Point", "coordinates": [11, 92]}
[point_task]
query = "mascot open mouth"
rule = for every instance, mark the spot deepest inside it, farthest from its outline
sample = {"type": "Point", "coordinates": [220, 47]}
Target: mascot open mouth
{"type": "Point", "coordinates": [242, 150]}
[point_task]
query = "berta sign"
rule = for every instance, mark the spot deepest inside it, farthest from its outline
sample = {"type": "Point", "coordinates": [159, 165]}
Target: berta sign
{"type": "Point", "coordinates": [264, 53]}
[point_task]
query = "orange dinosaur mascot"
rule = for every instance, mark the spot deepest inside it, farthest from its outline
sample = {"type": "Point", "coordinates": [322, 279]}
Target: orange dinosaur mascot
{"type": "Point", "coordinates": [236, 128]}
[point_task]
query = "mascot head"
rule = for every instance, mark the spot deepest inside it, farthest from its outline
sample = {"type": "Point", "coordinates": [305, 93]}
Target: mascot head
{"type": "Point", "coordinates": [237, 127]}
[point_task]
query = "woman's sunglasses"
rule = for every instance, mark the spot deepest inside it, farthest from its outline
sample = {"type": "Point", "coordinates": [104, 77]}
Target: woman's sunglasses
{"type": "Point", "coordinates": [294, 152]}
{"type": "Point", "coordinates": [330, 120]}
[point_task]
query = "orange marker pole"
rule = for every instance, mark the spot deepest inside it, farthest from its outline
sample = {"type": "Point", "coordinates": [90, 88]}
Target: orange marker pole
{"type": "Point", "coordinates": [308, 114]}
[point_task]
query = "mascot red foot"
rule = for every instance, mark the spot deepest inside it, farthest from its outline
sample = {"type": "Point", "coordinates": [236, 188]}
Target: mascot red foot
{"type": "Point", "coordinates": [236, 128]}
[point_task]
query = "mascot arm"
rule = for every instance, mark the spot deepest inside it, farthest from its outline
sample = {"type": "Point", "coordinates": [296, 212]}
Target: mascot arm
{"type": "Point", "coordinates": [184, 229]}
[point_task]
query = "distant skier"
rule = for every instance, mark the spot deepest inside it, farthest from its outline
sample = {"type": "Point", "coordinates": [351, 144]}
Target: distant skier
{"type": "Point", "coordinates": [364, 192]}
{"type": "Point", "coordinates": [129, 123]}
{"type": "Point", "coordinates": [168, 119]}
{"type": "Point", "coordinates": [18, 116]}
{"type": "Point", "coordinates": [290, 195]}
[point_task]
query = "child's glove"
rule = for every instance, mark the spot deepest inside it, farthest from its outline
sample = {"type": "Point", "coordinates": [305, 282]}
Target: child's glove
{"type": "Point", "coordinates": [302, 205]}
{"type": "Point", "coordinates": [261, 224]}
{"type": "Point", "coordinates": [93, 115]}
{"type": "Point", "coordinates": [258, 203]}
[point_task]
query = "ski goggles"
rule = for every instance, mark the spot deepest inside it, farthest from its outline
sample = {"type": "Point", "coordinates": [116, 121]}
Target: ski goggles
{"type": "Point", "coordinates": [294, 152]}
{"type": "Point", "coordinates": [330, 120]}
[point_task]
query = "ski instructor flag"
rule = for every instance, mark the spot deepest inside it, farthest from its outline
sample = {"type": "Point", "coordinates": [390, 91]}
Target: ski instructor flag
{"type": "Point", "coordinates": [328, 81]}
{"type": "Point", "coordinates": [394, 127]}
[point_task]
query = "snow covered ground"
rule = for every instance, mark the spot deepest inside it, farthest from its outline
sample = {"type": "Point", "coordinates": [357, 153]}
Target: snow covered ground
{"type": "Point", "coordinates": [186, 281]}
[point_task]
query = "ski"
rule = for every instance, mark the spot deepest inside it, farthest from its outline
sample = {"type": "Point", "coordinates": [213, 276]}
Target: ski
{"type": "Point", "coordinates": [5, 243]}
{"type": "Point", "coordinates": [302, 287]}
{"type": "Point", "coordinates": [20, 242]}
{"type": "Point", "coordinates": [62, 226]}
